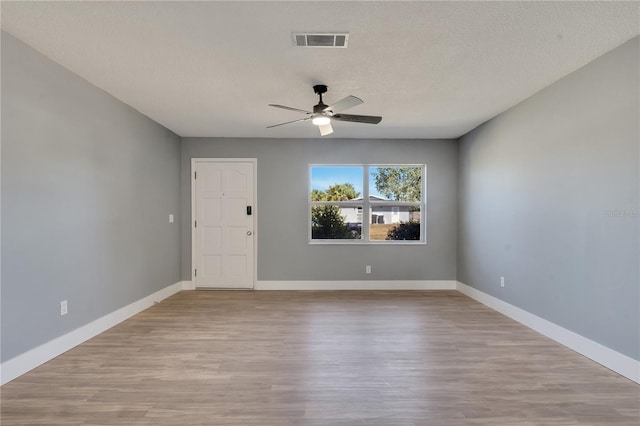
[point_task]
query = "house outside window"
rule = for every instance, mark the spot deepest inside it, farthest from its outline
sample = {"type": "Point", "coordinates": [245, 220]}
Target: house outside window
{"type": "Point", "coordinates": [393, 195]}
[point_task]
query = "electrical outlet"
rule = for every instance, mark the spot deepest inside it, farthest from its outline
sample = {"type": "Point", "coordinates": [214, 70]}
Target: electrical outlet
{"type": "Point", "coordinates": [171, 219]}
{"type": "Point", "coordinates": [501, 281]}
{"type": "Point", "coordinates": [368, 269]}
{"type": "Point", "coordinates": [63, 308]}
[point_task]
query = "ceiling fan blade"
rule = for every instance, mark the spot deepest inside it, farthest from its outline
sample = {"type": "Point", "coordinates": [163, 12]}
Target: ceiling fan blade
{"type": "Point", "coordinates": [289, 122]}
{"type": "Point", "coordinates": [341, 105]}
{"type": "Point", "coordinates": [290, 109]}
{"type": "Point", "coordinates": [325, 129]}
{"type": "Point", "coordinates": [369, 119]}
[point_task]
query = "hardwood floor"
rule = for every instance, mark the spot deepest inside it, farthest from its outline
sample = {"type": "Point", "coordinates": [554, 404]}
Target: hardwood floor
{"type": "Point", "coordinates": [320, 358]}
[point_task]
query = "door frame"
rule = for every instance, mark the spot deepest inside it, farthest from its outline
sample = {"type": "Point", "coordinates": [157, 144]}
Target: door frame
{"type": "Point", "coordinates": [254, 162]}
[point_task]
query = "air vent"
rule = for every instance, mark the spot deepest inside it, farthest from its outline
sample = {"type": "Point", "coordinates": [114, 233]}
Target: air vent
{"type": "Point", "coordinates": [335, 40]}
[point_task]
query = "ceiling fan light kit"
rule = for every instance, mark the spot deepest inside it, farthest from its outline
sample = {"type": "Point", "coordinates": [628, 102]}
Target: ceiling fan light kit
{"type": "Point", "coordinates": [323, 114]}
{"type": "Point", "coordinates": [320, 120]}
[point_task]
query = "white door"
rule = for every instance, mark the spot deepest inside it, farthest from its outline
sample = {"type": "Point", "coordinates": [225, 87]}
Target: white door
{"type": "Point", "coordinates": [395, 214]}
{"type": "Point", "coordinates": [223, 224]}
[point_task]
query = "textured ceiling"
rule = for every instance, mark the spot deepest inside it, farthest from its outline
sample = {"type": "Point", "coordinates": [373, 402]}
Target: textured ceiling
{"type": "Point", "coordinates": [431, 69]}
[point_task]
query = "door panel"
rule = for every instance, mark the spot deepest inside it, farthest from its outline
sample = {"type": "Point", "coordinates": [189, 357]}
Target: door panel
{"type": "Point", "coordinates": [212, 240]}
{"type": "Point", "coordinates": [224, 249]}
{"type": "Point", "coordinates": [211, 213]}
{"type": "Point", "coordinates": [235, 211]}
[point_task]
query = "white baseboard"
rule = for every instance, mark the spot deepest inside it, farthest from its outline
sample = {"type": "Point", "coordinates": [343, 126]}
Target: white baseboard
{"type": "Point", "coordinates": [188, 285]}
{"type": "Point", "coordinates": [621, 364]}
{"type": "Point", "coordinates": [357, 285]}
{"type": "Point", "coordinates": [35, 357]}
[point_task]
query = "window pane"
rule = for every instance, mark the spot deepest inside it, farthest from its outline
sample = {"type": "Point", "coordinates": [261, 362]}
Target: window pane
{"type": "Point", "coordinates": [390, 222]}
{"type": "Point", "coordinates": [336, 223]}
{"type": "Point", "coordinates": [398, 183]}
{"type": "Point", "coordinates": [336, 183]}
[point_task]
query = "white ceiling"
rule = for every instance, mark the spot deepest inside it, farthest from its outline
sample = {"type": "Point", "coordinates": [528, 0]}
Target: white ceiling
{"type": "Point", "coordinates": [431, 69]}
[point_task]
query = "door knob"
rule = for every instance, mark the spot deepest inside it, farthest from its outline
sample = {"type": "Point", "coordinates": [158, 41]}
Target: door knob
{"type": "Point", "coordinates": [249, 233]}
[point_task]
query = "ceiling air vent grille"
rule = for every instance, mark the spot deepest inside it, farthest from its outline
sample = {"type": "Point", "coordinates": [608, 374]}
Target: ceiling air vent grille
{"type": "Point", "coordinates": [335, 40]}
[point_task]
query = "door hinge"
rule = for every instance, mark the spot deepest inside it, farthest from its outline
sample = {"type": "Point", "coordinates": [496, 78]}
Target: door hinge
{"type": "Point", "coordinates": [195, 272]}
{"type": "Point", "coordinates": [195, 175]}
{"type": "Point", "coordinates": [195, 223]}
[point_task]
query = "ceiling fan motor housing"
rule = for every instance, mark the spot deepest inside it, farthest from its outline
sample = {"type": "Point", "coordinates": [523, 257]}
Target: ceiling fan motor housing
{"type": "Point", "coordinates": [320, 108]}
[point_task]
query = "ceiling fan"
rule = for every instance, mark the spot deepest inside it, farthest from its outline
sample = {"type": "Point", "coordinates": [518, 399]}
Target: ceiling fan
{"type": "Point", "coordinates": [323, 114]}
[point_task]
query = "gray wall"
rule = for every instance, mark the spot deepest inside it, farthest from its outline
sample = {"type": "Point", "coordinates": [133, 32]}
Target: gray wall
{"type": "Point", "coordinates": [87, 187]}
{"type": "Point", "coordinates": [536, 185]}
{"type": "Point", "coordinates": [283, 249]}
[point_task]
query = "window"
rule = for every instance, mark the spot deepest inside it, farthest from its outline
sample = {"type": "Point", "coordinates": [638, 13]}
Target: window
{"type": "Point", "coordinates": [393, 196]}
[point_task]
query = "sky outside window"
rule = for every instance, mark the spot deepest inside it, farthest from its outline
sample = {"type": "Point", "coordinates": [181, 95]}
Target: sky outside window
{"type": "Point", "coordinates": [322, 177]}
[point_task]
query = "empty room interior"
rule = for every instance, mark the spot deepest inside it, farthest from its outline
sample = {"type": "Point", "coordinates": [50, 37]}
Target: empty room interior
{"type": "Point", "coordinates": [320, 213]}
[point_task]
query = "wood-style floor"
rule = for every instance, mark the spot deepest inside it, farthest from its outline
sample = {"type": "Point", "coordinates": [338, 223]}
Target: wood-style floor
{"type": "Point", "coordinates": [320, 358]}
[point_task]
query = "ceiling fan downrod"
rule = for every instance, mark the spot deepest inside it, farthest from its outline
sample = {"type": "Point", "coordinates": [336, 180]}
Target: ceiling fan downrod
{"type": "Point", "coordinates": [319, 89]}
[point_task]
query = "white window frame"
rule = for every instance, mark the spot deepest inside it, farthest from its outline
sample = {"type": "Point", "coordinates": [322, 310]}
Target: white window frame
{"type": "Point", "coordinates": [367, 204]}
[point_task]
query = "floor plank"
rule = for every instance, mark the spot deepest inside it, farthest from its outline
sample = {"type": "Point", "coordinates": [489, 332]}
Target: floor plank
{"type": "Point", "coordinates": [320, 358]}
